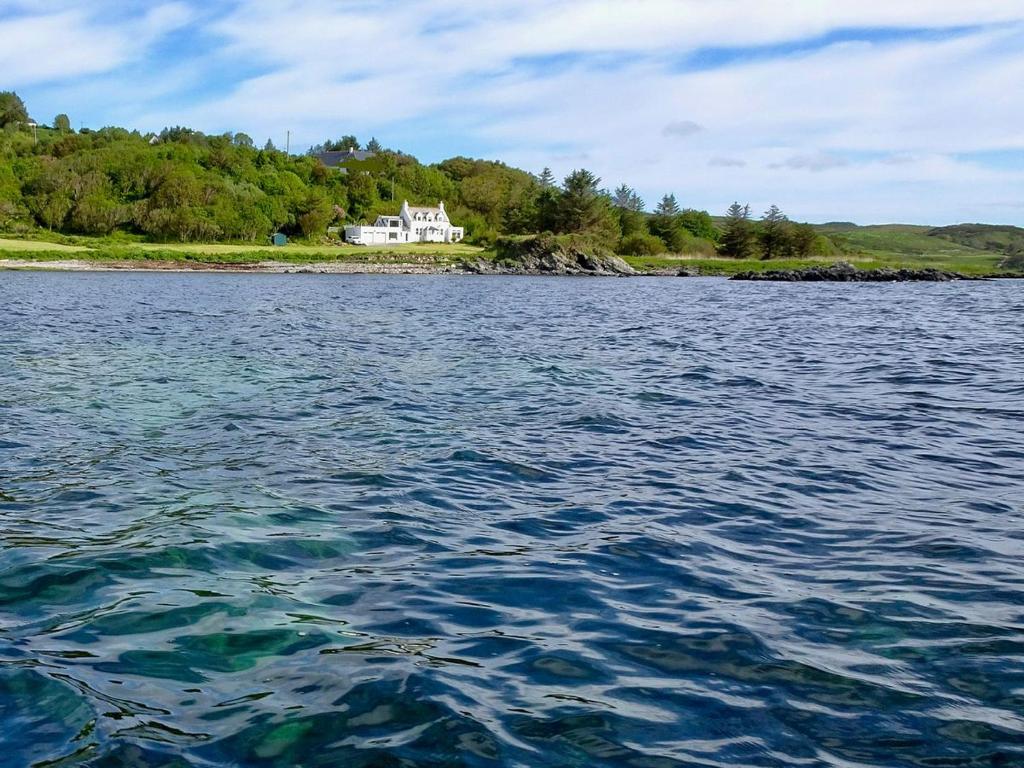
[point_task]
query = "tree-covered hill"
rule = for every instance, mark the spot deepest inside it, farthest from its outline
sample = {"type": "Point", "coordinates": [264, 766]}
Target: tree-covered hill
{"type": "Point", "coordinates": [181, 185]}
{"type": "Point", "coordinates": [185, 186]}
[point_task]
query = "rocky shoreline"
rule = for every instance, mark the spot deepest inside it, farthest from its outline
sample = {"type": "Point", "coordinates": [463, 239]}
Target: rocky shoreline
{"type": "Point", "coordinates": [844, 272]}
{"type": "Point", "coordinates": [561, 264]}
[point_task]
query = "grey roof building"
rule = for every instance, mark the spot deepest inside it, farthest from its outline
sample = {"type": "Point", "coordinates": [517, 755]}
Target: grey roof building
{"type": "Point", "coordinates": [340, 157]}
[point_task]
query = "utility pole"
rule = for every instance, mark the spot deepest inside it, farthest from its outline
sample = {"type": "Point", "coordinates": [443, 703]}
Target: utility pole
{"type": "Point", "coordinates": [288, 144]}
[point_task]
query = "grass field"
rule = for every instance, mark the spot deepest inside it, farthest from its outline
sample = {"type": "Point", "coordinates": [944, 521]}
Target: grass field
{"type": "Point", "coordinates": [13, 247]}
{"type": "Point", "coordinates": [220, 253]}
{"type": "Point", "coordinates": [867, 247]}
{"type": "Point", "coordinates": [977, 264]}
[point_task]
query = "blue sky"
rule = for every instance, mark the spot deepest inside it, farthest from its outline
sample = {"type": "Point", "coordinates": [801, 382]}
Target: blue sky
{"type": "Point", "coordinates": [900, 110]}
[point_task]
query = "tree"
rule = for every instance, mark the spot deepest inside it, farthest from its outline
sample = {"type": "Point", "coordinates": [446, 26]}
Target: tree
{"type": "Point", "coordinates": [774, 233]}
{"type": "Point", "coordinates": [315, 214]}
{"type": "Point", "coordinates": [581, 206]}
{"type": "Point", "coordinates": [546, 180]}
{"type": "Point", "coordinates": [374, 146]}
{"type": "Point", "coordinates": [738, 241]}
{"type": "Point", "coordinates": [668, 206]}
{"type": "Point", "coordinates": [269, 146]}
{"type": "Point", "coordinates": [626, 199]}
{"type": "Point", "coordinates": [12, 109]}
{"type": "Point", "coordinates": [62, 123]}
{"type": "Point", "coordinates": [362, 194]}
{"type": "Point", "coordinates": [699, 224]}
{"type": "Point", "coordinates": [242, 140]}
{"type": "Point", "coordinates": [803, 241]}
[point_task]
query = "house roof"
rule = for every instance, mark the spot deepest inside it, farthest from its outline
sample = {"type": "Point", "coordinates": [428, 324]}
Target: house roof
{"type": "Point", "coordinates": [334, 159]}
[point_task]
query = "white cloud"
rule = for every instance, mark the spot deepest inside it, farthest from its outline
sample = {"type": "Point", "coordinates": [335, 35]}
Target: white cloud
{"type": "Point", "coordinates": [69, 42]}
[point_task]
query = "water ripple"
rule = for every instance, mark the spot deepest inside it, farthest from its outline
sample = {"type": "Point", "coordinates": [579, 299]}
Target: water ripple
{"type": "Point", "coordinates": [284, 520]}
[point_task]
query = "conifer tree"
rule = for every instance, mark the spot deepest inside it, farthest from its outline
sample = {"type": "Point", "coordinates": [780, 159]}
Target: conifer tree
{"type": "Point", "coordinates": [739, 241]}
{"type": "Point", "coordinates": [668, 206]}
{"type": "Point", "coordinates": [626, 199]}
{"type": "Point", "coordinates": [774, 233]}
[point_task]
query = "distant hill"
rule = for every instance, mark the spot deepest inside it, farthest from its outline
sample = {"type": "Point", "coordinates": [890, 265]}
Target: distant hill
{"type": "Point", "coordinates": [1003, 239]}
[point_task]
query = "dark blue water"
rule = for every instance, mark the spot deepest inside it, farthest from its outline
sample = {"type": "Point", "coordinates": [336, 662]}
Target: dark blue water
{"type": "Point", "coordinates": [373, 521]}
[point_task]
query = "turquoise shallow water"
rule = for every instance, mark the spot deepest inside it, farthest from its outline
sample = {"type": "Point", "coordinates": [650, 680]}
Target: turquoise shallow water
{"type": "Point", "coordinates": [372, 521]}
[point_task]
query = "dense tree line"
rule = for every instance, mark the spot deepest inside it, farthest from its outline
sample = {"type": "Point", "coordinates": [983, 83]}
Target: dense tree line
{"type": "Point", "coordinates": [774, 236]}
{"type": "Point", "coordinates": [183, 185]}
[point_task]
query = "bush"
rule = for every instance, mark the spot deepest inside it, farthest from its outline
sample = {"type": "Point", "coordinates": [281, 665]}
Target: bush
{"type": "Point", "coordinates": [640, 244]}
{"type": "Point", "coordinates": [1014, 259]}
{"type": "Point", "coordinates": [684, 243]}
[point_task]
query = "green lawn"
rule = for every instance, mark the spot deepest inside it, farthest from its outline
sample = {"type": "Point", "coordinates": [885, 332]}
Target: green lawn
{"type": "Point", "coordinates": [95, 249]}
{"type": "Point", "coordinates": [14, 247]}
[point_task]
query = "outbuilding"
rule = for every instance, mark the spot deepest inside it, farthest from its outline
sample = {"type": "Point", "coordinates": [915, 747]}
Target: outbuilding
{"type": "Point", "coordinates": [278, 238]}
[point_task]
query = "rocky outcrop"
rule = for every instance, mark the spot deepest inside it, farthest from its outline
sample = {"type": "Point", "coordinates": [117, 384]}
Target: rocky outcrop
{"type": "Point", "coordinates": [549, 255]}
{"type": "Point", "coordinates": [844, 272]}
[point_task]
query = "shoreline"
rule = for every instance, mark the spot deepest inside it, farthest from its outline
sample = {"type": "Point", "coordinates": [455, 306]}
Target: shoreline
{"type": "Point", "coordinates": [263, 267]}
{"type": "Point", "coordinates": [411, 268]}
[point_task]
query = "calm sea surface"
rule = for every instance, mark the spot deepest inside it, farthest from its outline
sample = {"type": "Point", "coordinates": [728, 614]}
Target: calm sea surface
{"type": "Point", "coordinates": [438, 521]}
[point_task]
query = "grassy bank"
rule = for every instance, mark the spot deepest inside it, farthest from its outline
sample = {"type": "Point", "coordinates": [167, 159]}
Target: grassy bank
{"type": "Point", "coordinates": [220, 253]}
{"type": "Point", "coordinates": [866, 247]}
{"type": "Point", "coordinates": [977, 266]}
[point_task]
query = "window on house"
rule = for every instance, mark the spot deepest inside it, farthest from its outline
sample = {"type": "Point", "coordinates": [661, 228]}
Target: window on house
{"type": "Point", "coordinates": [392, 235]}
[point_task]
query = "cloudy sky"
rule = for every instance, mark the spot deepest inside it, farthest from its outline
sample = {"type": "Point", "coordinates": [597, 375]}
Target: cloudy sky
{"type": "Point", "coordinates": [871, 111]}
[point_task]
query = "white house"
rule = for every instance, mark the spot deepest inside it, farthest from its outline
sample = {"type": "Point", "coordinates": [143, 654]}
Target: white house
{"type": "Point", "coordinates": [411, 225]}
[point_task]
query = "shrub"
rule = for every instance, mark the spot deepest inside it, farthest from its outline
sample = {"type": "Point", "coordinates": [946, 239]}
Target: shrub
{"type": "Point", "coordinates": [640, 244]}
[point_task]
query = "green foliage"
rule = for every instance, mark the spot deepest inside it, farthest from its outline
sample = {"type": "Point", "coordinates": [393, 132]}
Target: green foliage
{"type": "Point", "coordinates": [1014, 260]}
{"type": "Point", "coordinates": [668, 207]}
{"type": "Point", "coordinates": [774, 234]}
{"type": "Point", "coordinates": [699, 224]}
{"type": "Point", "coordinates": [62, 123]}
{"type": "Point", "coordinates": [739, 240]}
{"type": "Point", "coordinates": [581, 208]}
{"type": "Point", "coordinates": [626, 199]}
{"type": "Point", "coordinates": [641, 244]}
{"type": "Point", "coordinates": [1004, 239]}
{"type": "Point", "coordinates": [12, 109]}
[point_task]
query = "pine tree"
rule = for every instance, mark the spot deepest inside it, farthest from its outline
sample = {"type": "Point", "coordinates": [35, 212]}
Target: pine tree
{"type": "Point", "coordinates": [269, 146]}
{"type": "Point", "coordinates": [774, 233]}
{"type": "Point", "coordinates": [546, 179]}
{"type": "Point", "coordinates": [582, 207]}
{"type": "Point", "coordinates": [668, 206]}
{"type": "Point", "coordinates": [374, 146]}
{"type": "Point", "coordinates": [739, 239]}
{"type": "Point", "coordinates": [626, 199]}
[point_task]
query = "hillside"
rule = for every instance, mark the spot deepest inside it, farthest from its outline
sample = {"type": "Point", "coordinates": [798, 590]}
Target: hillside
{"type": "Point", "coordinates": [921, 245]}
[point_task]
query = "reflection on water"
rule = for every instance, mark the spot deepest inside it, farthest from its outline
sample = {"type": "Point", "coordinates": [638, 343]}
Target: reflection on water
{"type": "Point", "coordinates": [284, 520]}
